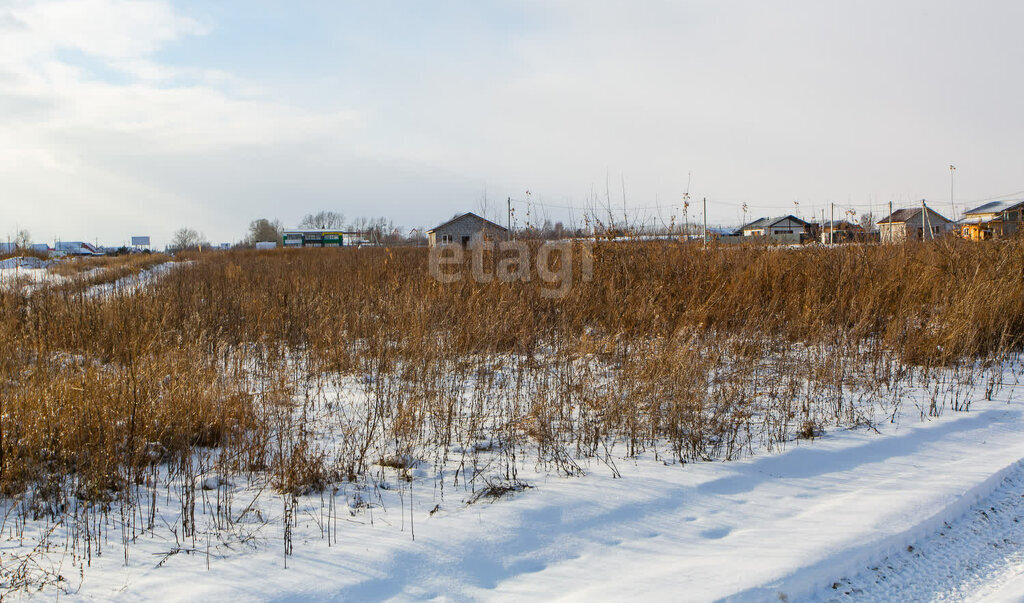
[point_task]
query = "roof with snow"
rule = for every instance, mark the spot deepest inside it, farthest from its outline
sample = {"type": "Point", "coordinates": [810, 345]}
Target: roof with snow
{"type": "Point", "coordinates": [81, 247]}
{"type": "Point", "coordinates": [995, 207]}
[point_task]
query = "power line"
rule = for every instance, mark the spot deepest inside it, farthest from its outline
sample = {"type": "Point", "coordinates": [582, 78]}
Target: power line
{"type": "Point", "coordinates": [856, 207]}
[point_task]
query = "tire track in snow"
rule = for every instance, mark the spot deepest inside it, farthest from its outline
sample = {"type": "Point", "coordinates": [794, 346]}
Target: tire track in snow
{"type": "Point", "coordinates": [967, 559]}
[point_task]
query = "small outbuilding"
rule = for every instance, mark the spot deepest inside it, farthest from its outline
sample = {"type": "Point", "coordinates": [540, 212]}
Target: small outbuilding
{"type": "Point", "coordinates": [466, 230]}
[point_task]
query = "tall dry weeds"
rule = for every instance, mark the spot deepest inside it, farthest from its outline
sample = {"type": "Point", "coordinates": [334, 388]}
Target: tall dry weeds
{"type": "Point", "coordinates": [315, 366]}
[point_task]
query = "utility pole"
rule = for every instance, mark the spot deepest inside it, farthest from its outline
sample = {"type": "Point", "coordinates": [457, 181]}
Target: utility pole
{"type": "Point", "coordinates": [925, 223]}
{"type": "Point", "coordinates": [686, 218]}
{"type": "Point", "coordinates": [832, 224]}
{"type": "Point", "coordinates": [952, 207]}
{"type": "Point", "coordinates": [508, 204]}
{"type": "Point", "coordinates": [686, 207]}
{"type": "Point", "coordinates": [890, 223]}
{"type": "Point", "coordinates": [705, 221]}
{"type": "Point", "coordinates": [823, 225]}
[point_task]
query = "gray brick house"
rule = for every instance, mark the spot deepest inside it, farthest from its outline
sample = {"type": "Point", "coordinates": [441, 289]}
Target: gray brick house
{"type": "Point", "coordinates": [466, 230]}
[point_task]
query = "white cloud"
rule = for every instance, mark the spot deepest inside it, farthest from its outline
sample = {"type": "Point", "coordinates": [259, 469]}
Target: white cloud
{"type": "Point", "coordinates": [411, 115]}
{"type": "Point", "coordinates": [61, 124]}
{"type": "Point", "coordinates": [111, 29]}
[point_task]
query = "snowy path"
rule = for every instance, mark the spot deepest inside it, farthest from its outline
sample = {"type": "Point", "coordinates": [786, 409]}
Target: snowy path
{"type": "Point", "coordinates": [789, 523]}
{"type": "Point", "coordinates": [978, 557]}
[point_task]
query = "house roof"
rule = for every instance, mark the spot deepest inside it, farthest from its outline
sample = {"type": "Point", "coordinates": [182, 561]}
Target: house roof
{"type": "Point", "coordinates": [719, 230]}
{"type": "Point", "coordinates": [467, 215]}
{"type": "Point", "coordinates": [900, 215]}
{"type": "Point", "coordinates": [769, 222]}
{"type": "Point", "coordinates": [907, 214]}
{"type": "Point", "coordinates": [840, 225]}
{"type": "Point", "coordinates": [995, 207]}
{"type": "Point", "coordinates": [75, 245]}
{"type": "Point", "coordinates": [758, 223]}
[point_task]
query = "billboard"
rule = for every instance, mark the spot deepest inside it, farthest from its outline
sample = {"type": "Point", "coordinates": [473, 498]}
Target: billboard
{"type": "Point", "coordinates": [140, 240]}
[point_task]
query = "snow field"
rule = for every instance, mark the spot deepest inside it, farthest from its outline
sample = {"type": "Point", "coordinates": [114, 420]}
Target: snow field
{"type": "Point", "coordinates": [793, 523]}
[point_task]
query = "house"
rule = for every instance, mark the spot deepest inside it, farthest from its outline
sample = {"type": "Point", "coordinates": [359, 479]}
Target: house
{"type": "Point", "coordinates": [993, 220]}
{"type": "Point", "coordinates": [841, 231]}
{"type": "Point", "coordinates": [466, 230]}
{"type": "Point", "coordinates": [913, 223]}
{"type": "Point", "coordinates": [76, 248]}
{"type": "Point", "coordinates": [787, 228]}
{"type": "Point", "coordinates": [319, 237]}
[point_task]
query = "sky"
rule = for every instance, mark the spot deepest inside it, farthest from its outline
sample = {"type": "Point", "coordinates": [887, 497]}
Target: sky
{"type": "Point", "coordinates": [139, 117]}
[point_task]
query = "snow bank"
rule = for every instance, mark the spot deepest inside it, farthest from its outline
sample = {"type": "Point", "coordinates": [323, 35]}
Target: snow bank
{"type": "Point", "coordinates": [32, 263]}
{"type": "Point", "coordinates": [26, 269]}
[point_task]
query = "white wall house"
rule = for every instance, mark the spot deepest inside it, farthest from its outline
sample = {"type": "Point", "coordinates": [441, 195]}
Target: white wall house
{"type": "Point", "coordinates": [786, 227]}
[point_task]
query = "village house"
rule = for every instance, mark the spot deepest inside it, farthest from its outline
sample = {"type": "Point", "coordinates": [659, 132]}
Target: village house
{"type": "Point", "coordinates": [76, 248]}
{"type": "Point", "coordinates": [993, 220]}
{"type": "Point", "coordinates": [787, 228]}
{"type": "Point", "coordinates": [466, 230]}
{"type": "Point", "coordinates": [913, 223]}
{"type": "Point", "coordinates": [841, 231]}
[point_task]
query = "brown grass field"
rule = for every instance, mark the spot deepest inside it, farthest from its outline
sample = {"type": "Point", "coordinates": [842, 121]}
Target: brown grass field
{"type": "Point", "coordinates": [695, 353]}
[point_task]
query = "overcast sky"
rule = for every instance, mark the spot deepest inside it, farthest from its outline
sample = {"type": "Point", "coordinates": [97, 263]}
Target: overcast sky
{"type": "Point", "coordinates": [122, 117]}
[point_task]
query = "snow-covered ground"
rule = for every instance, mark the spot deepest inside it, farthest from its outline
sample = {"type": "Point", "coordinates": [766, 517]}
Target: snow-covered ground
{"type": "Point", "coordinates": [131, 283]}
{"type": "Point", "coordinates": [918, 509]}
{"type": "Point", "coordinates": [25, 269]}
{"type": "Point", "coordinates": [978, 557]}
{"type": "Point", "coordinates": [34, 272]}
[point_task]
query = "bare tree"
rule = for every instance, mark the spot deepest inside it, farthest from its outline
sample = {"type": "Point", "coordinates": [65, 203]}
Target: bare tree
{"type": "Point", "coordinates": [867, 221]}
{"type": "Point", "coordinates": [323, 219]}
{"type": "Point", "coordinates": [417, 236]}
{"type": "Point", "coordinates": [23, 240]}
{"type": "Point", "coordinates": [263, 230]}
{"type": "Point", "coordinates": [186, 238]}
{"type": "Point", "coordinates": [379, 231]}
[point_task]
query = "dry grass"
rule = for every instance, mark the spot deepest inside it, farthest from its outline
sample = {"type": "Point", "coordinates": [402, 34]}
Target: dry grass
{"type": "Point", "coordinates": [43, 255]}
{"type": "Point", "coordinates": [233, 362]}
{"type": "Point", "coordinates": [89, 271]}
